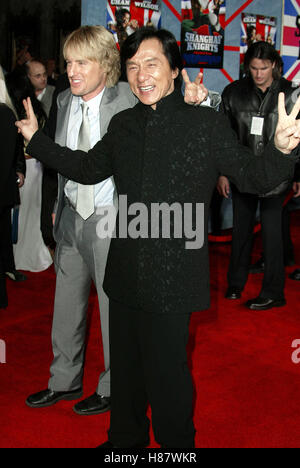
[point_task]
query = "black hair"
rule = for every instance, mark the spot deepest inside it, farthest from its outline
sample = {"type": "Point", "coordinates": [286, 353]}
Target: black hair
{"type": "Point", "coordinates": [167, 40]}
{"type": "Point", "coordinates": [120, 15]}
{"type": "Point", "coordinates": [263, 51]}
{"type": "Point", "coordinates": [19, 88]}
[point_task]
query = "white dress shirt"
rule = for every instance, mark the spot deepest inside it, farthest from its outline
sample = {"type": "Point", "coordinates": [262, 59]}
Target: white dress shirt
{"type": "Point", "coordinates": [104, 191]}
{"type": "Point", "coordinates": [41, 95]}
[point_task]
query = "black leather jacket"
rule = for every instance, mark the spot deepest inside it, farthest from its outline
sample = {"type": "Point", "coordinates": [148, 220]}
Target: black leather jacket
{"type": "Point", "coordinates": [242, 100]}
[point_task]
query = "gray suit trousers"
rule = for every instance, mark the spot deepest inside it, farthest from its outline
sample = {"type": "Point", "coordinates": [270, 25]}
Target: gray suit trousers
{"type": "Point", "coordinates": [80, 259]}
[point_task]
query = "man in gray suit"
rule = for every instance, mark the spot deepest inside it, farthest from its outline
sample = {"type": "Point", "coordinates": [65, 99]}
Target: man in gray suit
{"type": "Point", "coordinates": [83, 115]}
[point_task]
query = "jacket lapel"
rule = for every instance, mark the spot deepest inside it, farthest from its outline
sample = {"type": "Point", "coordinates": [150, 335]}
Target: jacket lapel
{"type": "Point", "coordinates": [63, 115]}
{"type": "Point", "coordinates": [107, 109]}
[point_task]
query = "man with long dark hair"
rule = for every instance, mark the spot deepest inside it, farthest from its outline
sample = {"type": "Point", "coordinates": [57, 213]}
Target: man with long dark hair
{"type": "Point", "coordinates": [251, 105]}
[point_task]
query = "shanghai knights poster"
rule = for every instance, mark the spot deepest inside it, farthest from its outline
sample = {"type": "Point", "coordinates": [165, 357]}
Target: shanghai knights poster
{"type": "Point", "coordinates": [202, 33]}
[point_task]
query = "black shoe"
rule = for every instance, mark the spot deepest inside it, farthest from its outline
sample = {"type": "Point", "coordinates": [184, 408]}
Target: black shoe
{"type": "Point", "coordinates": [258, 267]}
{"type": "Point", "coordinates": [109, 445]}
{"type": "Point", "coordinates": [15, 275]}
{"type": "Point", "coordinates": [262, 303]}
{"type": "Point", "coordinates": [295, 275]}
{"type": "Point", "coordinates": [48, 398]}
{"type": "Point", "coordinates": [95, 404]}
{"type": "Point", "coordinates": [233, 293]}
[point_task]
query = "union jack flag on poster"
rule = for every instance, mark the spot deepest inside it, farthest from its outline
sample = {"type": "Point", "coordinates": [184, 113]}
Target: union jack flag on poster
{"type": "Point", "coordinates": [255, 28]}
{"type": "Point", "coordinates": [126, 16]}
{"type": "Point", "coordinates": [290, 50]}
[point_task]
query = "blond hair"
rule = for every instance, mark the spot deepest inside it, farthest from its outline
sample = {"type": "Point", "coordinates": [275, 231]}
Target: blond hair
{"type": "Point", "coordinates": [97, 44]}
{"type": "Point", "coordinates": [4, 96]}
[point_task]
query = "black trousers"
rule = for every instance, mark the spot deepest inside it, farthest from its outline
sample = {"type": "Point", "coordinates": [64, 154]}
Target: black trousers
{"type": "Point", "coordinates": [288, 247]}
{"type": "Point", "coordinates": [149, 366]}
{"type": "Point", "coordinates": [244, 217]}
{"type": "Point", "coordinates": [7, 262]}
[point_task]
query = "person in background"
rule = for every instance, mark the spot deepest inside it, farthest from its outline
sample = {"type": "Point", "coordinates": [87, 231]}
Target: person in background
{"type": "Point", "coordinates": [37, 74]}
{"type": "Point", "coordinates": [24, 52]}
{"type": "Point", "coordinates": [31, 253]}
{"type": "Point", "coordinates": [52, 74]}
{"type": "Point", "coordinates": [251, 105]}
{"type": "Point", "coordinates": [288, 247]}
{"type": "Point", "coordinates": [10, 267]}
{"type": "Point", "coordinates": [11, 152]}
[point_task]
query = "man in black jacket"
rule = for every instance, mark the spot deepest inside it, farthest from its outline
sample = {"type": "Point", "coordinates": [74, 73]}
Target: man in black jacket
{"type": "Point", "coordinates": [161, 153]}
{"type": "Point", "coordinates": [251, 105]}
{"type": "Point", "coordinates": [11, 161]}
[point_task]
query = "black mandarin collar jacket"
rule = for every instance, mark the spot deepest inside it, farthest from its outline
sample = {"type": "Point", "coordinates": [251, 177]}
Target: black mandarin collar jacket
{"type": "Point", "coordinates": [173, 155]}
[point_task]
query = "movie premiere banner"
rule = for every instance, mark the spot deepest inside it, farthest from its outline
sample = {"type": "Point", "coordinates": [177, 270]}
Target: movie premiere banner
{"type": "Point", "coordinates": [290, 50]}
{"type": "Point", "coordinates": [124, 17]}
{"type": "Point", "coordinates": [202, 33]}
{"type": "Point", "coordinates": [255, 28]}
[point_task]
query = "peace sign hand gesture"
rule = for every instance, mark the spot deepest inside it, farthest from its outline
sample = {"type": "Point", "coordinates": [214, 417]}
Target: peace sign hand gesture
{"type": "Point", "coordinates": [287, 134]}
{"type": "Point", "coordinates": [195, 93]}
{"type": "Point", "coordinates": [28, 126]}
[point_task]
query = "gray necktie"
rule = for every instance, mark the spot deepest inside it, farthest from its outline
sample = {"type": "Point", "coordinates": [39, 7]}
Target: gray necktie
{"type": "Point", "coordinates": [85, 206]}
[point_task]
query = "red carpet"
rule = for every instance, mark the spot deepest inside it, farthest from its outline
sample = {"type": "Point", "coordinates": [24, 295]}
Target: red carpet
{"type": "Point", "coordinates": [247, 387]}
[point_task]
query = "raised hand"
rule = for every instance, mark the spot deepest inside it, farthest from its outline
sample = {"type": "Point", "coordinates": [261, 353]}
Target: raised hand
{"type": "Point", "coordinates": [287, 134]}
{"type": "Point", "coordinates": [28, 126]}
{"type": "Point", "coordinates": [195, 93]}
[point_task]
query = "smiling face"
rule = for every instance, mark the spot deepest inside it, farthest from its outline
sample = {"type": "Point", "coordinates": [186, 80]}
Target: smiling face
{"type": "Point", "coordinates": [87, 78]}
{"type": "Point", "coordinates": [149, 73]}
{"type": "Point", "coordinates": [262, 73]}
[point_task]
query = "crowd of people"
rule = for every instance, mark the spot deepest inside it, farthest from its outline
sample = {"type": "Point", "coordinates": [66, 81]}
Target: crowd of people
{"type": "Point", "coordinates": [140, 139]}
{"type": "Point", "coordinates": [29, 252]}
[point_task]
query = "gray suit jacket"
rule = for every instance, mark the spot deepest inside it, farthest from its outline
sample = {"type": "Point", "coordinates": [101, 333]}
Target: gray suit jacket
{"type": "Point", "coordinates": [47, 99]}
{"type": "Point", "coordinates": [114, 100]}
